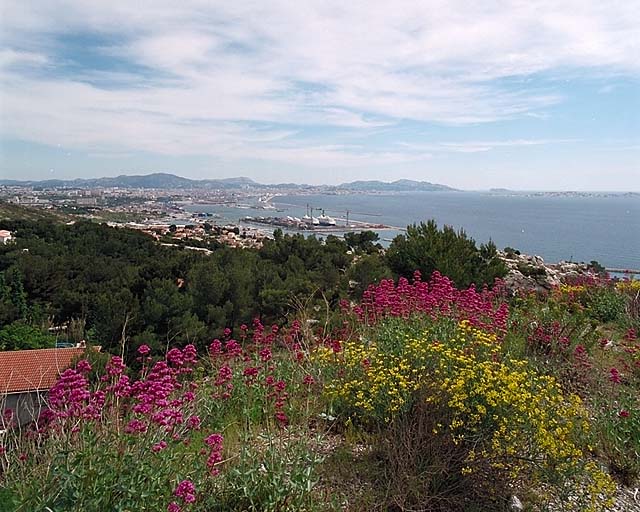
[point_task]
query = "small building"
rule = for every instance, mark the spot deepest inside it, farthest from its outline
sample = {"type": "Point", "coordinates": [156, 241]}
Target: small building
{"type": "Point", "coordinates": [5, 236]}
{"type": "Point", "coordinates": [26, 377]}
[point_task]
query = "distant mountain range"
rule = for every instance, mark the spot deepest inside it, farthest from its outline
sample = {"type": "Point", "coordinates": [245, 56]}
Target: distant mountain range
{"type": "Point", "coordinates": [394, 186]}
{"type": "Point", "coordinates": [171, 181]}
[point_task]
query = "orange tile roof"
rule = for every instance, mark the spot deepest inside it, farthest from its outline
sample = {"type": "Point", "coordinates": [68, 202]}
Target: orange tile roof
{"type": "Point", "coordinates": [31, 370]}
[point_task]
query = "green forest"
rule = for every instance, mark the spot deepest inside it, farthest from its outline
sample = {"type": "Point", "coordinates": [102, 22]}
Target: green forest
{"type": "Point", "coordinates": [119, 288]}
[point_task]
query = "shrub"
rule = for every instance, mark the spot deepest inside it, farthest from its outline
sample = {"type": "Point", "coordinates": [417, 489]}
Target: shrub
{"type": "Point", "coordinates": [498, 419]}
{"type": "Point", "coordinates": [123, 436]}
{"type": "Point", "coordinates": [618, 431]}
{"type": "Point", "coordinates": [630, 290]}
{"type": "Point", "coordinates": [21, 336]}
{"type": "Point", "coordinates": [596, 267]}
{"type": "Point", "coordinates": [158, 440]}
{"type": "Point", "coordinates": [531, 270]}
{"type": "Point", "coordinates": [605, 304]}
{"type": "Point", "coordinates": [560, 335]}
{"type": "Point", "coordinates": [273, 473]}
{"type": "Point", "coordinates": [427, 249]}
{"type": "Point", "coordinates": [601, 299]}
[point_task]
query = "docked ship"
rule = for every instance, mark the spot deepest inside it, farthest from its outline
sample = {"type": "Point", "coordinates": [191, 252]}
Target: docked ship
{"type": "Point", "coordinates": [325, 220]}
{"type": "Point", "coordinates": [322, 220]}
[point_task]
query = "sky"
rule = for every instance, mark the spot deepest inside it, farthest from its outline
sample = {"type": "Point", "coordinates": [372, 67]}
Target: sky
{"type": "Point", "coordinates": [530, 95]}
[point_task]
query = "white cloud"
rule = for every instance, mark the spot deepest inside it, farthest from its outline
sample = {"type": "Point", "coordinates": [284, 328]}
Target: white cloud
{"type": "Point", "coordinates": [472, 146]}
{"type": "Point", "coordinates": [202, 73]}
{"type": "Point", "coordinates": [10, 58]}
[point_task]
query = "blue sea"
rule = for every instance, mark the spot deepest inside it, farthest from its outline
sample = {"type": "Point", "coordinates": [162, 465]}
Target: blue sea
{"type": "Point", "coordinates": [578, 228]}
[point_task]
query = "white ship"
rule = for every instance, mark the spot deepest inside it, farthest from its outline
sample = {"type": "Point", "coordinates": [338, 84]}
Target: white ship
{"type": "Point", "coordinates": [325, 220]}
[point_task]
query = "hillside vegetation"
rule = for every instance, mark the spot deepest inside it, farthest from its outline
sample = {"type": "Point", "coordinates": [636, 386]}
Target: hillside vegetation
{"type": "Point", "coordinates": [108, 285]}
{"type": "Point", "coordinates": [426, 398]}
{"type": "Point", "coordinates": [12, 212]}
{"type": "Point", "coordinates": [412, 394]}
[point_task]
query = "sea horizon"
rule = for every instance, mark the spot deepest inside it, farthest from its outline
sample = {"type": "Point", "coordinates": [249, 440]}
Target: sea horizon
{"type": "Point", "coordinates": [581, 227]}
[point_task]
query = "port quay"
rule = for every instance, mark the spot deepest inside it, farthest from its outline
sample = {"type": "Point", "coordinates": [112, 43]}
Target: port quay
{"type": "Point", "coordinates": [320, 224]}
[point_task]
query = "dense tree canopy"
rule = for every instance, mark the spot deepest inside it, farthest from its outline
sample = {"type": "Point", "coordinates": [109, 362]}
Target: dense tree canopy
{"type": "Point", "coordinates": [122, 285]}
{"type": "Point", "coordinates": [119, 287]}
{"type": "Point", "coordinates": [427, 248]}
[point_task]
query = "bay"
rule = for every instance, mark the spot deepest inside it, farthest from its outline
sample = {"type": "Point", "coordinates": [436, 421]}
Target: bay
{"type": "Point", "coordinates": [605, 228]}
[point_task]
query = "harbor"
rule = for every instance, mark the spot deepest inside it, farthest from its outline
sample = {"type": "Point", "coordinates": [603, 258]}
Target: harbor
{"type": "Point", "coordinates": [322, 223]}
{"type": "Point", "coordinates": [293, 223]}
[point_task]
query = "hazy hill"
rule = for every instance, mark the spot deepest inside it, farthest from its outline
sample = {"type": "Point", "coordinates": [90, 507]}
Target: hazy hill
{"type": "Point", "coordinates": [395, 186]}
{"type": "Point", "coordinates": [156, 180]}
{"type": "Point", "coordinates": [171, 181]}
{"type": "Point", "coordinates": [9, 211]}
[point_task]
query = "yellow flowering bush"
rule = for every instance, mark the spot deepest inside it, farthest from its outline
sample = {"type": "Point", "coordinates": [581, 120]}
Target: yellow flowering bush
{"type": "Point", "coordinates": [570, 289]}
{"type": "Point", "coordinates": [508, 421]}
{"type": "Point", "coordinates": [628, 286]}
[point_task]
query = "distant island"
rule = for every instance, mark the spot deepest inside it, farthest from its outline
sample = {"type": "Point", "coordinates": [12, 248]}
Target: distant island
{"type": "Point", "coordinates": [171, 181]}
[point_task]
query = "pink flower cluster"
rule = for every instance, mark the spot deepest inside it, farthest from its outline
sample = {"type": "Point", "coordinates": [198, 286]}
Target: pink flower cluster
{"type": "Point", "coordinates": [214, 442]}
{"type": "Point", "coordinates": [158, 398]}
{"type": "Point", "coordinates": [70, 397]}
{"type": "Point", "coordinates": [614, 376]}
{"type": "Point", "coordinates": [253, 362]}
{"type": "Point", "coordinates": [437, 297]}
{"type": "Point", "coordinates": [186, 491]}
{"type": "Point", "coordinates": [549, 339]}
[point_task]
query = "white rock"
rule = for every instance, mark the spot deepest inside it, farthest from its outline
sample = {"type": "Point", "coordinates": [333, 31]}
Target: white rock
{"type": "Point", "coordinates": [516, 504]}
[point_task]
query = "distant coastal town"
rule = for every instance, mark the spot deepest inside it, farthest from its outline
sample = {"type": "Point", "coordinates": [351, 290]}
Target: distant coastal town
{"type": "Point", "coordinates": [237, 212]}
{"type": "Point", "coordinates": [169, 207]}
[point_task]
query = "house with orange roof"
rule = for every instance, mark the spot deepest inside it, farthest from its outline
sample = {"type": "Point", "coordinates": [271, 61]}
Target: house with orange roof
{"type": "Point", "coordinates": [5, 236]}
{"type": "Point", "coordinates": [26, 377]}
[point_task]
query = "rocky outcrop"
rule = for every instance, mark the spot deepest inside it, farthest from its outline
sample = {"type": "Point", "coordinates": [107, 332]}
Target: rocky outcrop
{"type": "Point", "coordinates": [531, 273]}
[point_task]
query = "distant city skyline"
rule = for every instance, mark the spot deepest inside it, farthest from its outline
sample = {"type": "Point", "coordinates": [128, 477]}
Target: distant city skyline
{"type": "Point", "coordinates": [533, 95]}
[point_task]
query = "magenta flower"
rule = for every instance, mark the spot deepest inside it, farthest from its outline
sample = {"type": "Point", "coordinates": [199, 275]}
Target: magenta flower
{"type": "Point", "coordinates": [614, 376]}
{"type": "Point", "coordinates": [175, 357]}
{"type": "Point", "coordinates": [214, 441]}
{"type": "Point", "coordinates": [194, 422]}
{"type": "Point", "coordinates": [265, 354]}
{"type": "Point", "coordinates": [135, 427]}
{"type": "Point", "coordinates": [281, 418]}
{"type": "Point", "coordinates": [158, 447]}
{"type": "Point", "coordinates": [143, 350]}
{"type": "Point", "coordinates": [233, 348]}
{"type": "Point", "coordinates": [186, 490]}
{"type": "Point", "coordinates": [215, 348]}
{"type": "Point", "coordinates": [173, 507]}
{"type": "Point", "coordinates": [190, 354]}
{"type": "Point", "coordinates": [115, 366]}
{"type": "Point", "coordinates": [225, 374]}
{"type": "Point", "coordinates": [83, 366]}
